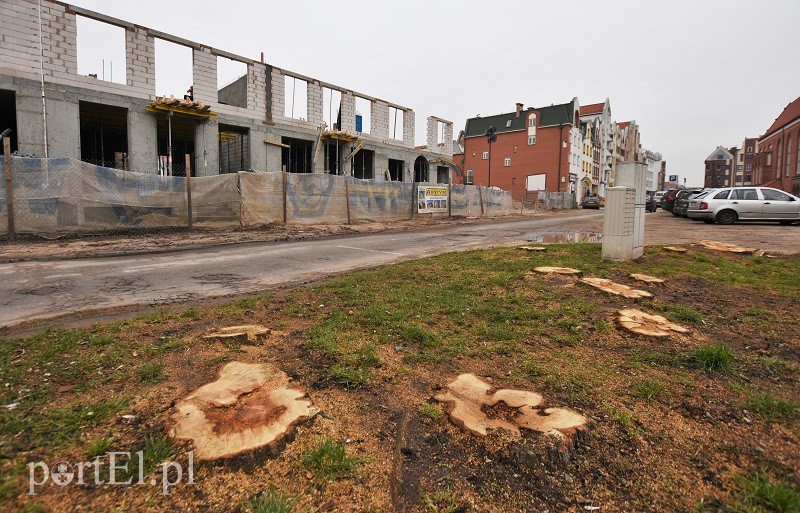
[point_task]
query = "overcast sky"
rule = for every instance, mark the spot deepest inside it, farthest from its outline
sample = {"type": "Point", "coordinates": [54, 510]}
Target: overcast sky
{"type": "Point", "coordinates": [693, 74]}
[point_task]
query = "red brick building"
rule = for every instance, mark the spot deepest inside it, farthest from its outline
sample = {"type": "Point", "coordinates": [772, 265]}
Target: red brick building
{"type": "Point", "coordinates": [532, 151]}
{"type": "Point", "coordinates": [778, 162]}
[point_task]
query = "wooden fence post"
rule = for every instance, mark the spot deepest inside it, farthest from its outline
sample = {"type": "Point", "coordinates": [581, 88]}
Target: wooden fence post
{"type": "Point", "coordinates": [189, 189]}
{"type": "Point", "coordinates": [347, 197]}
{"type": "Point", "coordinates": [480, 195]}
{"type": "Point", "coordinates": [12, 233]}
{"type": "Point", "coordinates": [284, 194]}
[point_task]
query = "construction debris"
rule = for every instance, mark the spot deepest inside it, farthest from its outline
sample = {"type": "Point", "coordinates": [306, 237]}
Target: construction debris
{"type": "Point", "coordinates": [532, 248]}
{"type": "Point", "coordinates": [616, 288]}
{"type": "Point", "coordinates": [249, 332]}
{"type": "Point", "coordinates": [557, 270]}
{"type": "Point", "coordinates": [466, 397]}
{"type": "Point", "coordinates": [675, 249]}
{"type": "Point", "coordinates": [185, 106]}
{"type": "Point", "coordinates": [647, 279]}
{"type": "Point", "coordinates": [729, 248]}
{"type": "Point", "coordinates": [249, 406]}
{"type": "Point", "coordinates": [647, 324]}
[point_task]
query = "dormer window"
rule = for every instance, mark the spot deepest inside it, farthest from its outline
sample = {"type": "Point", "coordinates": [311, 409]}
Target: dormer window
{"type": "Point", "coordinates": [508, 124]}
{"type": "Point", "coordinates": [532, 120]}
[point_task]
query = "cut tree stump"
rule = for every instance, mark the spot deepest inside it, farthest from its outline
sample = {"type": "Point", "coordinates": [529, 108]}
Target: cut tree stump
{"type": "Point", "coordinates": [465, 398]}
{"type": "Point", "coordinates": [647, 279]}
{"type": "Point", "coordinates": [535, 249]}
{"type": "Point", "coordinates": [675, 249]}
{"type": "Point", "coordinates": [616, 288]}
{"type": "Point", "coordinates": [249, 332]}
{"type": "Point", "coordinates": [728, 248]}
{"type": "Point", "coordinates": [557, 270]}
{"type": "Point", "coordinates": [647, 324]}
{"type": "Point", "coordinates": [249, 406]}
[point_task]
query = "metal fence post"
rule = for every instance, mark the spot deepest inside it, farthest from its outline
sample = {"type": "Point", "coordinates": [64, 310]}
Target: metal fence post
{"type": "Point", "coordinates": [189, 188]}
{"type": "Point", "coordinates": [12, 234]}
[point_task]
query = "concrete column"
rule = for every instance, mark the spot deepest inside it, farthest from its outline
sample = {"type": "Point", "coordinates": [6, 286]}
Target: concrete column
{"type": "Point", "coordinates": [380, 119]}
{"type": "Point", "coordinates": [348, 112]}
{"type": "Point", "coordinates": [140, 60]}
{"type": "Point", "coordinates": [408, 128]}
{"type": "Point", "coordinates": [258, 149]}
{"type": "Point", "coordinates": [278, 91]}
{"type": "Point", "coordinates": [30, 129]}
{"type": "Point", "coordinates": [142, 144]}
{"type": "Point", "coordinates": [431, 135]}
{"type": "Point", "coordinates": [314, 102]}
{"type": "Point", "coordinates": [257, 89]}
{"type": "Point", "coordinates": [204, 73]}
{"type": "Point", "coordinates": [381, 164]}
{"type": "Point", "coordinates": [63, 128]}
{"type": "Point", "coordinates": [206, 147]}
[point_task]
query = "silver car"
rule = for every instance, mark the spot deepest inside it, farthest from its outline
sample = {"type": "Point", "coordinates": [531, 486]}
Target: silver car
{"type": "Point", "coordinates": [731, 204]}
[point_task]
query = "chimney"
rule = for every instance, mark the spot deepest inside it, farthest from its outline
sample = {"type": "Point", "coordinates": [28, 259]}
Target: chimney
{"type": "Point", "coordinates": [519, 108]}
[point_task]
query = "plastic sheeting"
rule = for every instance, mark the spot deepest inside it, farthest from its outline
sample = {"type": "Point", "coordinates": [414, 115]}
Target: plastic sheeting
{"type": "Point", "coordinates": [68, 196]}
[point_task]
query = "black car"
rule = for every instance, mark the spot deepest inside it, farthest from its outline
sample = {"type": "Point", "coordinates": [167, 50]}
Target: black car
{"type": "Point", "coordinates": [591, 201]}
{"type": "Point", "coordinates": [650, 204]}
{"type": "Point", "coordinates": [668, 200]}
{"type": "Point", "coordinates": [681, 206]}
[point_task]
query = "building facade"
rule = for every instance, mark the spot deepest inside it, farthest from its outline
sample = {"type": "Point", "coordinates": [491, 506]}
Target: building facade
{"type": "Point", "coordinates": [600, 114]}
{"type": "Point", "coordinates": [533, 151]}
{"type": "Point", "coordinates": [250, 123]}
{"type": "Point", "coordinates": [778, 152]}
{"type": "Point", "coordinates": [720, 167]}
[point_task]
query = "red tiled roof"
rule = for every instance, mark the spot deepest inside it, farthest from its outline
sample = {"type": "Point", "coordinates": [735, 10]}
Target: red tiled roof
{"type": "Point", "coordinates": [775, 184]}
{"type": "Point", "coordinates": [789, 114]}
{"type": "Point", "coordinates": [623, 124]}
{"type": "Point", "coordinates": [594, 108]}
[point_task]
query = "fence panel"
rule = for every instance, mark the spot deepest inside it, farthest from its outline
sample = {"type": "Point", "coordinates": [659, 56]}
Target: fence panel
{"type": "Point", "coordinates": [216, 202]}
{"type": "Point", "coordinates": [379, 201]}
{"type": "Point", "coordinates": [3, 199]}
{"type": "Point", "coordinates": [315, 199]}
{"type": "Point", "coordinates": [262, 198]}
{"type": "Point", "coordinates": [465, 200]}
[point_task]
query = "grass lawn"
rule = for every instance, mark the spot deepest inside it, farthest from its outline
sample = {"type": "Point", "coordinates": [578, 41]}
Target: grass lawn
{"type": "Point", "coordinates": [709, 420]}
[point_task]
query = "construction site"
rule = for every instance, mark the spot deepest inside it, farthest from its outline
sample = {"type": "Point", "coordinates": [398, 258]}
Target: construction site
{"type": "Point", "coordinates": [267, 119]}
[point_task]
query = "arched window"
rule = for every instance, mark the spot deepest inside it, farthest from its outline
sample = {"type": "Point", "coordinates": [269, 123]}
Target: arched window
{"type": "Point", "coordinates": [532, 120]}
{"type": "Point", "coordinates": [778, 162]}
{"type": "Point", "coordinates": [788, 155]}
{"type": "Point", "coordinates": [797, 158]}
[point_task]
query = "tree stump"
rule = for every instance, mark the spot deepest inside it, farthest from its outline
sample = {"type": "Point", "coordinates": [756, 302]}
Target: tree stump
{"type": "Point", "coordinates": [643, 323]}
{"type": "Point", "coordinates": [647, 279]}
{"type": "Point", "coordinates": [616, 288]}
{"type": "Point", "coordinates": [558, 270]}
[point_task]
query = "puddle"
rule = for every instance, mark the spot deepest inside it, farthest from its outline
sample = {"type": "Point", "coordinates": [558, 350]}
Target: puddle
{"type": "Point", "coordinates": [567, 237]}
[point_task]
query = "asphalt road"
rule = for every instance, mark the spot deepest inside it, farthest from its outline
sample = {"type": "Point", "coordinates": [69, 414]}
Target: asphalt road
{"type": "Point", "coordinates": [40, 290]}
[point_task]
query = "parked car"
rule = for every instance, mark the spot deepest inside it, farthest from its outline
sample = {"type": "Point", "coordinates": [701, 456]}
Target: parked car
{"type": "Point", "coordinates": [658, 196]}
{"type": "Point", "coordinates": [650, 204]}
{"type": "Point", "coordinates": [731, 204]}
{"type": "Point", "coordinates": [590, 201]}
{"type": "Point", "coordinates": [682, 201]}
{"type": "Point", "coordinates": [668, 200]}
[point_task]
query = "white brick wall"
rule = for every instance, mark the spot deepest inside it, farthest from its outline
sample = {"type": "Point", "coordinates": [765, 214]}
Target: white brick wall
{"type": "Point", "coordinates": [314, 105]}
{"type": "Point", "coordinates": [278, 94]}
{"type": "Point", "coordinates": [408, 128]}
{"type": "Point", "coordinates": [204, 71]}
{"type": "Point", "coordinates": [257, 89]}
{"type": "Point", "coordinates": [379, 126]}
{"type": "Point", "coordinates": [140, 58]}
{"type": "Point", "coordinates": [348, 112]}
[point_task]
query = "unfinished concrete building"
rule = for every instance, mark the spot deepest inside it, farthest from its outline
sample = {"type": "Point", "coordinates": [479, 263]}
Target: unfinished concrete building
{"type": "Point", "coordinates": [267, 119]}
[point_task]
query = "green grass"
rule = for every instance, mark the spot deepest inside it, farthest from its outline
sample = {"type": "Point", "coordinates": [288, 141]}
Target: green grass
{"type": "Point", "coordinates": [157, 448]}
{"type": "Point", "coordinates": [328, 460]}
{"type": "Point", "coordinates": [443, 500]}
{"type": "Point", "coordinates": [648, 389]}
{"type": "Point", "coordinates": [150, 372]}
{"type": "Point", "coordinates": [713, 357]}
{"type": "Point", "coordinates": [758, 493]}
{"type": "Point", "coordinates": [272, 500]}
{"type": "Point", "coordinates": [98, 446]}
{"type": "Point", "coordinates": [431, 411]}
{"type": "Point", "coordinates": [771, 407]}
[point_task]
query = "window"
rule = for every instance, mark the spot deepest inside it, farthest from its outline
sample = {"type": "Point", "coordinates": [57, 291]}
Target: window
{"type": "Point", "coordinates": [769, 159]}
{"type": "Point", "coordinates": [531, 140]}
{"type": "Point", "coordinates": [295, 98]}
{"type": "Point", "coordinates": [485, 155]}
{"type": "Point", "coordinates": [507, 161]}
{"type": "Point", "coordinates": [469, 176]}
{"type": "Point", "coordinates": [788, 154]}
{"type": "Point", "coordinates": [720, 156]}
{"type": "Point", "coordinates": [100, 46]}
{"type": "Point", "coordinates": [722, 195]}
{"type": "Point", "coordinates": [744, 194]}
{"type": "Point", "coordinates": [473, 153]}
{"type": "Point", "coordinates": [532, 120]}
{"type": "Point", "coordinates": [508, 124]}
{"type": "Point", "coordinates": [778, 162]}
{"type": "Point", "coordinates": [515, 149]}
{"type": "Point", "coordinates": [773, 195]}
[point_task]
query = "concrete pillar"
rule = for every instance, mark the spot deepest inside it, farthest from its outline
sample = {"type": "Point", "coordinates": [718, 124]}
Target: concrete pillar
{"type": "Point", "coordinates": [278, 94]}
{"type": "Point", "coordinates": [258, 149]}
{"type": "Point", "coordinates": [30, 129]}
{"type": "Point", "coordinates": [623, 227]}
{"type": "Point", "coordinates": [408, 128]}
{"type": "Point", "coordinates": [257, 89]}
{"type": "Point", "coordinates": [63, 128]}
{"type": "Point", "coordinates": [380, 119]}
{"type": "Point", "coordinates": [381, 164]}
{"type": "Point", "coordinates": [431, 135]}
{"type": "Point", "coordinates": [206, 148]}
{"type": "Point", "coordinates": [204, 73]}
{"type": "Point", "coordinates": [314, 103]}
{"type": "Point", "coordinates": [348, 112]}
{"type": "Point", "coordinates": [140, 60]}
{"type": "Point", "coordinates": [142, 144]}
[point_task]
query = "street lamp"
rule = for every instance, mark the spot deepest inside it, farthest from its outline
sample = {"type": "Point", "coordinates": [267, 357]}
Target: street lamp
{"type": "Point", "coordinates": [491, 137]}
